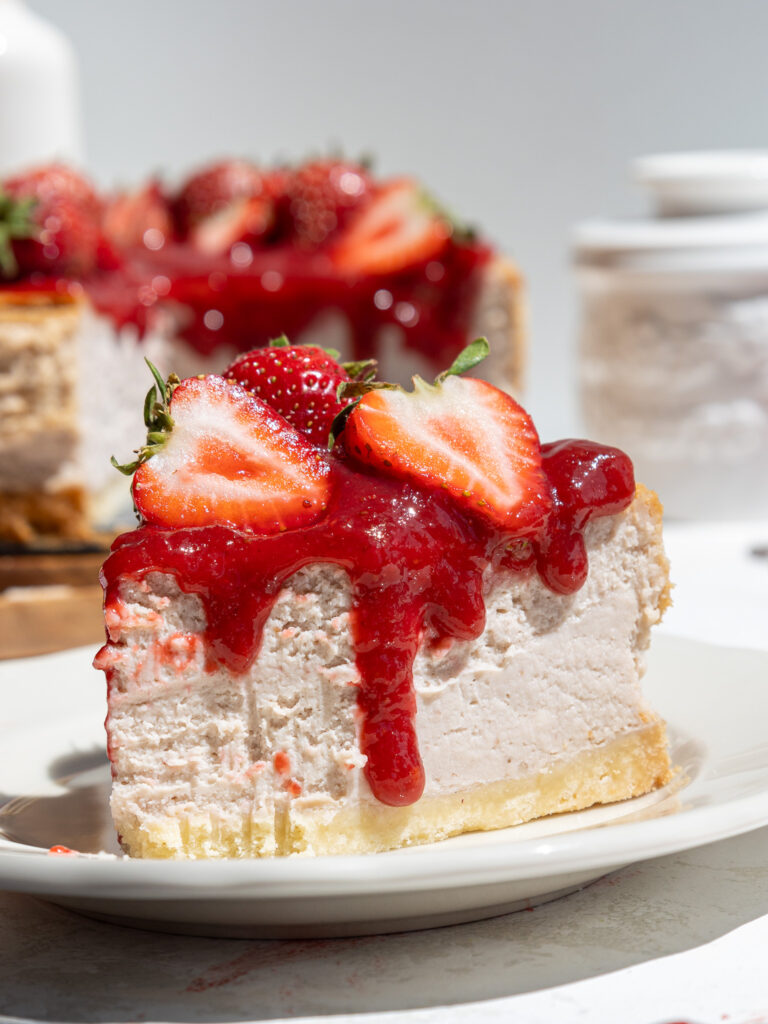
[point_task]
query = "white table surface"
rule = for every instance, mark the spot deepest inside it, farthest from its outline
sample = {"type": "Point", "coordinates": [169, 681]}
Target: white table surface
{"type": "Point", "coordinates": [680, 938]}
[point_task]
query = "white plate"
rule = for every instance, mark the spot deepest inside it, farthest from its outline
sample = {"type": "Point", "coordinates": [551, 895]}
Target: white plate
{"type": "Point", "coordinates": [54, 773]}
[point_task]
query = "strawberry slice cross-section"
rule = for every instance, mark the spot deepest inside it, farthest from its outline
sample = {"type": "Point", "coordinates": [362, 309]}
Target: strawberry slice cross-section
{"type": "Point", "coordinates": [397, 229]}
{"type": "Point", "coordinates": [227, 458]}
{"type": "Point", "coordinates": [461, 435]}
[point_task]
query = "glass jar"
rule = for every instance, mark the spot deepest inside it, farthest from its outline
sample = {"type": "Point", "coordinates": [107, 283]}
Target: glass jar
{"type": "Point", "coordinates": [674, 355]}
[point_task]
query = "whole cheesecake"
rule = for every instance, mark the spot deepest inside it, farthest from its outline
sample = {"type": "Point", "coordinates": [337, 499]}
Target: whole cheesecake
{"type": "Point", "coordinates": [435, 627]}
{"type": "Point", "coordinates": [91, 285]}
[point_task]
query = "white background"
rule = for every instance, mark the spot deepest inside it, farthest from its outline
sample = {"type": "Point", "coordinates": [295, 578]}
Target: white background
{"type": "Point", "coordinates": [520, 114]}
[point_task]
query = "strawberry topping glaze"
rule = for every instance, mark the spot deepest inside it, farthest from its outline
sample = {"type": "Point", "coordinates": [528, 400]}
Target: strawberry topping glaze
{"type": "Point", "coordinates": [242, 254]}
{"type": "Point", "coordinates": [213, 303]}
{"type": "Point", "coordinates": [417, 566]}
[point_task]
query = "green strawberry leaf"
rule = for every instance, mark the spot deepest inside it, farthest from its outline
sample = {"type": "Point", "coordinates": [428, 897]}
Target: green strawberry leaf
{"type": "Point", "coordinates": [358, 388]}
{"type": "Point", "coordinates": [468, 358]}
{"type": "Point", "coordinates": [339, 422]}
{"type": "Point", "coordinates": [157, 419]}
{"type": "Point", "coordinates": [363, 369]}
{"type": "Point", "coordinates": [16, 221]}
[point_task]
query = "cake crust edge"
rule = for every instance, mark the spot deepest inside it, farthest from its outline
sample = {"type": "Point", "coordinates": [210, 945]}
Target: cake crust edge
{"type": "Point", "coordinates": [626, 767]}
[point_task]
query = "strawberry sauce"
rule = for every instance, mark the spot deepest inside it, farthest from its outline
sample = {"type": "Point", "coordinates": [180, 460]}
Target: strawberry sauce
{"type": "Point", "coordinates": [417, 566]}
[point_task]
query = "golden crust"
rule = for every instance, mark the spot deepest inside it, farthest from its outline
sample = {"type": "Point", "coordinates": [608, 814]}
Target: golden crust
{"type": "Point", "coordinates": [628, 766]}
{"type": "Point", "coordinates": [37, 331]}
{"type": "Point", "coordinates": [34, 304]}
{"type": "Point", "coordinates": [650, 501]}
{"type": "Point", "coordinates": [517, 356]}
{"type": "Point", "coordinates": [500, 316]}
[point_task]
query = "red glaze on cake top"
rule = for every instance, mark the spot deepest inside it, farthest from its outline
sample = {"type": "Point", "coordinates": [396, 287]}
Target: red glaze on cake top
{"type": "Point", "coordinates": [239, 255]}
{"type": "Point", "coordinates": [418, 563]}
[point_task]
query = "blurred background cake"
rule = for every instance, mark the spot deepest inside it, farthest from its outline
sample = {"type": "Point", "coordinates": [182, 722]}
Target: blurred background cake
{"type": "Point", "coordinates": [191, 275]}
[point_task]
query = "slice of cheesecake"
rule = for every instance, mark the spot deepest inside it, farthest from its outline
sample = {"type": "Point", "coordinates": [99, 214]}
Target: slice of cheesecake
{"type": "Point", "coordinates": [313, 653]}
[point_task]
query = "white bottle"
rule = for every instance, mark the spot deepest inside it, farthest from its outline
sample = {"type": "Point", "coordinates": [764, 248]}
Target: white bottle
{"type": "Point", "coordinates": [39, 101]}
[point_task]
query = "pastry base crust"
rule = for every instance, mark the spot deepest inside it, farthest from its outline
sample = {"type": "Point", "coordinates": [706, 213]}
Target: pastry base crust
{"type": "Point", "coordinates": [628, 766]}
{"type": "Point", "coordinates": [500, 315]}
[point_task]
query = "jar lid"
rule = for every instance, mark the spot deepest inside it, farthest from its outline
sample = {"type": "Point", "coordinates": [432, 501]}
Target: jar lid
{"type": "Point", "coordinates": [708, 182]}
{"type": "Point", "coordinates": [678, 233]}
{"type": "Point", "coordinates": [720, 206]}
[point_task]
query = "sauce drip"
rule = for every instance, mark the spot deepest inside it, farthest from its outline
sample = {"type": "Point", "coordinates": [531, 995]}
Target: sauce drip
{"type": "Point", "coordinates": [417, 567]}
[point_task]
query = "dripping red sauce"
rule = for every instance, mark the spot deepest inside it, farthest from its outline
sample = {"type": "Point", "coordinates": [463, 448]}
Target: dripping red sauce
{"type": "Point", "coordinates": [214, 305]}
{"type": "Point", "coordinates": [417, 566]}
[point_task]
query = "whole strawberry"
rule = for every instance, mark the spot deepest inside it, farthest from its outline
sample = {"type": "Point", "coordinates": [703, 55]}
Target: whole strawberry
{"type": "Point", "coordinates": [298, 381]}
{"type": "Point", "coordinates": [53, 182]}
{"type": "Point", "coordinates": [319, 198]}
{"type": "Point", "coordinates": [215, 455]}
{"type": "Point", "coordinates": [60, 233]}
{"type": "Point", "coordinates": [139, 217]}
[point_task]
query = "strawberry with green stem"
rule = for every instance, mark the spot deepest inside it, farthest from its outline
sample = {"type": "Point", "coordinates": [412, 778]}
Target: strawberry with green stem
{"type": "Point", "coordinates": [49, 223]}
{"type": "Point", "coordinates": [301, 382]}
{"type": "Point", "coordinates": [217, 455]}
{"type": "Point", "coordinates": [400, 227]}
{"type": "Point", "coordinates": [459, 434]}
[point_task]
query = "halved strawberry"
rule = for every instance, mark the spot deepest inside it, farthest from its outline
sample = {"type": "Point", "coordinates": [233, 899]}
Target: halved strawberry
{"type": "Point", "coordinates": [242, 220]}
{"type": "Point", "coordinates": [212, 189]}
{"type": "Point", "coordinates": [231, 201]}
{"type": "Point", "coordinates": [299, 381]}
{"type": "Point", "coordinates": [218, 455]}
{"type": "Point", "coordinates": [459, 434]}
{"type": "Point", "coordinates": [397, 229]}
{"type": "Point", "coordinates": [128, 216]}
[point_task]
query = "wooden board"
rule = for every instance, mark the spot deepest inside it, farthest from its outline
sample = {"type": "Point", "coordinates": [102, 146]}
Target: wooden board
{"type": "Point", "coordinates": [49, 602]}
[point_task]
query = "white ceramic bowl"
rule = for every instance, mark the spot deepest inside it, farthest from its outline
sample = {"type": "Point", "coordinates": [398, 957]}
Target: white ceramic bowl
{"type": "Point", "coordinates": [726, 181]}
